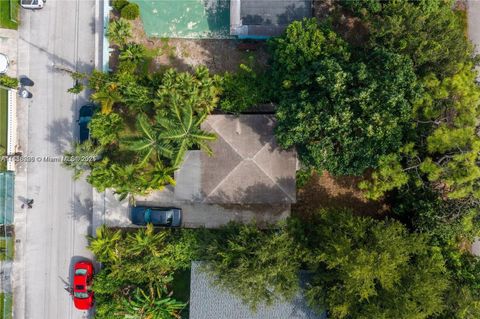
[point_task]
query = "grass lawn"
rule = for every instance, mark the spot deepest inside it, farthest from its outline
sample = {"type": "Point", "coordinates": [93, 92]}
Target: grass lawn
{"type": "Point", "coordinates": [3, 118]}
{"type": "Point", "coordinates": [3, 124]}
{"type": "Point", "coordinates": [181, 289]}
{"type": "Point", "coordinates": [6, 303]}
{"type": "Point", "coordinates": [5, 21]}
{"type": "Point", "coordinates": [7, 248]}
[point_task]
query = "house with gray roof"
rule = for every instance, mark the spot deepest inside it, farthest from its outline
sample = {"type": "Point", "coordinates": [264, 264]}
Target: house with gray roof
{"type": "Point", "coordinates": [208, 301]}
{"type": "Point", "coordinates": [260, 19]}
{"type": "Point", "coordinates": [249, 178]}
{"type": "Point", "coordinates": [247, 166]}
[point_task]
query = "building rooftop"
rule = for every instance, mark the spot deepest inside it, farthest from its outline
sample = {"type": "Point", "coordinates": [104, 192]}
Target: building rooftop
{"type": "Point", "coordinates": [266, 18]}
{"type": "Point", "coordinates": [208, 301]}
{"type": "Point", "coordinates": [247, 166]}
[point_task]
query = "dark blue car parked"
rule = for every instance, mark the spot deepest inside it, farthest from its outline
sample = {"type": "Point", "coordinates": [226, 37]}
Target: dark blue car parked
{"type": "Point", "coordinates": [158, 216]}
{"type": "Point", "coordinates": [84, 117]}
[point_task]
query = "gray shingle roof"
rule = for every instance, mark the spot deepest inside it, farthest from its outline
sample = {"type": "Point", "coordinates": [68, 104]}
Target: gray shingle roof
{"type": "Point", "coordinates": [247, 166]}
{"type": "Point", "coordinates": [208, 301]}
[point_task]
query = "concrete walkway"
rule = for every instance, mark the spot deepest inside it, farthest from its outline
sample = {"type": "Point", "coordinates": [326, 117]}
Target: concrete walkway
{"type": "Point", "coordinates": [474, 35]}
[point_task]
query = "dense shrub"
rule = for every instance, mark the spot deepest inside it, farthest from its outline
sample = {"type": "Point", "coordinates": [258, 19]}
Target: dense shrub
{"type": "Point", "coordinates": [244, 90]}
{"type": "Point", "coordinates": [8, 81]}
{"type": "Point", "coordinates": [131, 11]}
{"type": "Point", "coordinates": [118, 5]}
{"type": "Point", "coordinates": [341, 109]}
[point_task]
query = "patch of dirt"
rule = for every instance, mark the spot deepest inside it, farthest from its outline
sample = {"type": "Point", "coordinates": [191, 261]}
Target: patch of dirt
{"type": "Point", "coordinates": [352, 29]}
{"type": "Point", "coordinates": [327, 191]}
{"type": "Point", "coordinates": [322, 9]}
{"type": "Point", "coordinates": [218, 55]}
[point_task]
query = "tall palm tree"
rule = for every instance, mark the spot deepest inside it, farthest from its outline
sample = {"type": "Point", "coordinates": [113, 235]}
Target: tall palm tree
{"type": "Point", "coordinates": [148, 143]}
{"type": "Point", "coordinates": [183, 129]}
{"type": "Point", "coordinates": [129, 181]}
{"type": "Point", "coordinates": [107, 96]}
{"type": "Point", "coordinates": [160, 176]}
{"type": "Point", "coordinates": [119, 31]}
{"type": "Point", "coordinates": [146, 242]}
{"type": "Point", "coordinates": [76, 159]}
{"type": "Point", "coordinates": [105, 245]}
{"type": "Point", "coordinates": [133, 52]}
{"type": "Point", "coordinates": [152, 305]}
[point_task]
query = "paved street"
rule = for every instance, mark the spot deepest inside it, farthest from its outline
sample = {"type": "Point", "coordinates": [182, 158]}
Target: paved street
{"type": "Point", "coordinates": [53, 233]}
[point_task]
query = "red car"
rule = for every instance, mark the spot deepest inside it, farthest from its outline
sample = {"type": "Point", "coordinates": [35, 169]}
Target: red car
{"type": "Point", "coordinates": [82, 282]}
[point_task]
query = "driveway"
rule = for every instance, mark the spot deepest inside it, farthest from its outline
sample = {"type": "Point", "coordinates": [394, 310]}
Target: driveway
{"type": "Point", "coordinates": [195, 215]}
{"type": "Point", "coordinates": [51, 236]}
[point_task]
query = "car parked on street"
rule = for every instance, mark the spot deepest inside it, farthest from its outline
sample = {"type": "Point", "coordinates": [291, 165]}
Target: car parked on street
{"type": "Point", "coordinates": [158, 216]}
{"type": "Point", "coordinates": [84, 117]}
{"type": "Point", "coordinates": [32, 4]}
{"type": "Point", "coordinates": [82, 283]}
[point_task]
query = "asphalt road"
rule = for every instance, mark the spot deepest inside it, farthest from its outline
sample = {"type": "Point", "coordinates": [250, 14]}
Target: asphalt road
{"type": "Point", "coordinates": [55, 229]}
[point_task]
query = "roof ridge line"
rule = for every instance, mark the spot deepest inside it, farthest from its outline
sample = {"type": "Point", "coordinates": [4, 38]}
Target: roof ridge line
{"type": "Point", "coordinates": [222, 181]}
{"type": "Point", "coordinates": [268, 175]}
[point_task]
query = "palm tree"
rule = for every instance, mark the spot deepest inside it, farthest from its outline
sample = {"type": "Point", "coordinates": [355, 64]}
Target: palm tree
{"type": "Point", "coordinates": [77, 158]}
{"type": "Point", "coordinates": [146, 241]}
{"type": "Point", "coordinates": [161, 176]}
{"type": "Point", "coordinates": [119, 31]}
{"type": "Point", "coordinates": [152, 305]}
{"type": "Point", "coordinates": [148, 143]}
{"type": "Point", "coordinates": [129, 181]}
{"type": "Point", "coordinates": [107, 96]}
{"type": "Point", "coordinates": [133, 52]}
{"type": "Point", "coordinates": [183, 129]}
{"type": "Point", "coordinates": [105, 245]}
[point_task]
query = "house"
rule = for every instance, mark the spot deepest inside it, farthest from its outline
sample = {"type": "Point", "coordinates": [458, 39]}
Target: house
{"type": "Point", "coordinates": [247, 166]}
{"type": "Point", "coordinates": [261, 19]}
{"type": "Point", "coordinates": [209, 301]}
{"type": "Point", "coordinates": [248, 178]}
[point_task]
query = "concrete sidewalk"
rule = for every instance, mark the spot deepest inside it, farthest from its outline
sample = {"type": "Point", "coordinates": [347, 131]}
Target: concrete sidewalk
{"type": "Point", "coordinates": [473, 9]}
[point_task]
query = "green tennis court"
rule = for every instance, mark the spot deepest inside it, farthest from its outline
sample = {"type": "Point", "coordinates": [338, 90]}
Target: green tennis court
{"type": "Point", "coordinates": [185, 18]}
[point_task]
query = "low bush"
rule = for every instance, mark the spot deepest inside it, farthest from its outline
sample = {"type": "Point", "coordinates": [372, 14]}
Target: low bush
{"type": "Point", "coordinates": [118, 5]}
{"type": "Point", "coordinates": [244, 90]}
{"type": "Point", "coordinates": [8, 81]}
{"type": "Point", "coordinates": [131, 11]}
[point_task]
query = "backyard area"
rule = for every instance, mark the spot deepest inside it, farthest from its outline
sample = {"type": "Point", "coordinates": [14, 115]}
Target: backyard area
{"type": "Point", "coordinates": [324, 191]}
{"type": "Point", "coordinates": [187, 34]}
{"type": "Point", "coordinates": [9, 14]}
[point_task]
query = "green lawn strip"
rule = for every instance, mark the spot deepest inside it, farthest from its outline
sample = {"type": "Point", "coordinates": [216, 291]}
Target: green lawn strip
{"type": "Point", "coordinates": [181, 289]}
{"type": "Point", "coordinates": [3, 125]}
{"type": "Point", "coordinates": [6, 305]}
{"type": "Point", "coordinates": [5, 20]}
{"type": "Point", "coordinates": [7, 248]}
{"type": "Point", "coordinates": [3, 119]}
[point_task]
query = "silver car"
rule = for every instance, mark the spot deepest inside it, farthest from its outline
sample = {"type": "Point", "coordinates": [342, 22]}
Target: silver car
{"type": "Point", "coordinates": [32, 4]}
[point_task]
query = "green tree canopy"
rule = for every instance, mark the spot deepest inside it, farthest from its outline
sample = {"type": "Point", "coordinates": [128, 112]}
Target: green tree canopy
{"type": "Point", "coordinates": [341, 110]}
{"type": "Point", "coordinates": [364, 268]}
{"type": "Point", "coordinates": [257, 265]}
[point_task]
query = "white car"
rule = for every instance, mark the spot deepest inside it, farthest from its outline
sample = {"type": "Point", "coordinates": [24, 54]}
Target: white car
{"type": "Point", "coordinates": [32, 4]}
